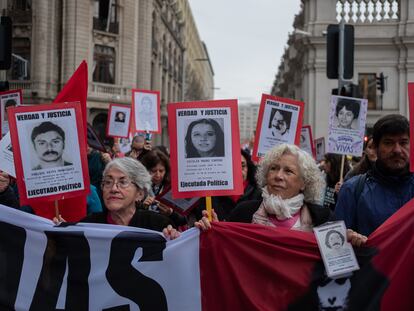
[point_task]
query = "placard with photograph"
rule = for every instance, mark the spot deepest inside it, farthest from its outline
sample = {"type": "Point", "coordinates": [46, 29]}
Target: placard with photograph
{"type": "Point", "coordinates": [181, 206]}
{"type": "Point", "coordinates": [279, 121]}
{"type": "Point", "coordinates": [49, 151]}
{"type": "Point", "coordinates": [347, 125]}
{"type": "Point", "coordinates": [320, 148]}
{"type": "Point", "coordinates": [146, 114]}
{"type": "Point", "coordinates": [8, 99]}
{"type": "Point", "coordinates": [337, 253]}
{"type": "Point", "coordinates": [118, 123]}
{"type": "Point", "coordinates": [6, 156]}
{"type": "Point", "coordinates": [306, 140]}
{"type": "Point", "coordinates": [205, 148]}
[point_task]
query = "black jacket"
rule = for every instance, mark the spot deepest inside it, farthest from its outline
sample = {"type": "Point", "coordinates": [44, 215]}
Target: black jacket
{"type": "Point", "coordinates": [141, 219]}
{"type": "Point", "coordinates": [244, 211]}
{"type": "Point", "coordinates": [8, 197]}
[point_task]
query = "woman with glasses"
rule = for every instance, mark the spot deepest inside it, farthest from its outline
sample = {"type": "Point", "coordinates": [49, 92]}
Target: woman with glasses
{"type": "Point", "coordinates": [125, 184]}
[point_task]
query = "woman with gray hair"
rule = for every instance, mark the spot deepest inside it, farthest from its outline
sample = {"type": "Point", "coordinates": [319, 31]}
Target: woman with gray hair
{"type": "Point", "coordinates": [292, 187]}
{"type": "Point", "coordinates": [125, 184]}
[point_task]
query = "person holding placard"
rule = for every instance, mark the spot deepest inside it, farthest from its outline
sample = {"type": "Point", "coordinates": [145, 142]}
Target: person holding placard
{"type": "Point", "coordinates": [158, 165]}
{"type": "Point", "coordinates": [125, 184]}
{"type": "Point", "coordinates": [292, 187]}
{"type": "Point", "coordinates": [224, 205]}
{"type": "Point", "coordinates": [139, 147]}
{"type": "Point", "coordinates": [204, 138]}
{"type": "Point", "coordinates": [7, 195]}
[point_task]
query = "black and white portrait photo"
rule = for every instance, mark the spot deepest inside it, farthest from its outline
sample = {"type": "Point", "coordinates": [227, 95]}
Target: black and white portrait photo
{"type": "Point", "coordinates": [120, 117]}
{"type": "Point", "coordinates": [279, 123]}
{"type": "Point", "coordinates": [8, 99]}
{"type": "Point", "coordinates": [347, 113]}
{"type": "Point", "coordinates": [204, 138]}
{"type": "Point", "coordinates": [48, 141]}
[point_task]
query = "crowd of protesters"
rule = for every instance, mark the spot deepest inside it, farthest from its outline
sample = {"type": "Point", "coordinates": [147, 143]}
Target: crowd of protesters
{"type": "Point", "coordinates": [286, 189]}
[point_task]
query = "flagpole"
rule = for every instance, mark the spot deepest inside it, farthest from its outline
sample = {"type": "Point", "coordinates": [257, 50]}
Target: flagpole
{"type": "Point", "coordinates": [57, 209]}
{"type": "Point", "coordinates": [341, 177]}
{"type": "Point", "coordinates": [209, 208]}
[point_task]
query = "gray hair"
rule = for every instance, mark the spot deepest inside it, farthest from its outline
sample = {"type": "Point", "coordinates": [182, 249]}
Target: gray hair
{"type": "Point", "coordinates": [133, 169]}
{"type": "Point", "coordinates": [309, 171]}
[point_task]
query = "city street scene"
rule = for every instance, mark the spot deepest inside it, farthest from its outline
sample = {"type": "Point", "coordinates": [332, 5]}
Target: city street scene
{"type": "Point", "coordinates": [206, 155]}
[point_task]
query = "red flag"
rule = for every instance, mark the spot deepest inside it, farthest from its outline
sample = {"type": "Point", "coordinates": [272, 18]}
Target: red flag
{"type": "Point", "coordinates": [76, 89]}
{"type": "Point", "coordinates": [252, 267]}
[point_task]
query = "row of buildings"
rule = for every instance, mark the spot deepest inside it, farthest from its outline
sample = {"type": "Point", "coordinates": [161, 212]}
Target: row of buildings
{"type": "Point", "coordinates": [384, 32]}
{"type": "Point", "coordinates": [143, 44]}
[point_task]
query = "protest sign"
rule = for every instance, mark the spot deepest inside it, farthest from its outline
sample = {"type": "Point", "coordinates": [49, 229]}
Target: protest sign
{"type": "Point", "coordinates": [146, 111]}
{"type": "Point", "coordinates": [181, 206]}
{"type": "Point", "coordinates": [205, 148]}
{"type": "Point", "coordinates": [6, 156]}
{"type": "Point", "coordinates": [49, 151]}
{"type": "Point", "coordinates": [320, 148]}
{"type": "Point", "coordinates": [8, 99]}
{"type": "Point", "coordinates": [306, 140]}
{"type": "Point", "coordinates": [347, 125]}
{"type": "Point", "coordinates": [118, 121]}
{"type": "Point", "coordinates": [337, 253]}
{"type": "Point", "coordinates": [279, 121]}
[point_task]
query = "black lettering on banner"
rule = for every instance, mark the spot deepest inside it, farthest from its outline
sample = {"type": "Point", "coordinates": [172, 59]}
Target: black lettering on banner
{"type": "Point", "coordinates": [61, 247]}
{"type": "Point", "coordinates": [12, 240]}
{"type": "Point", "coordinates": [127, 281]}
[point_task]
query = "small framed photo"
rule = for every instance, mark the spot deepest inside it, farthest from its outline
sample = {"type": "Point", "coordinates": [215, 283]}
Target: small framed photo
{"type": "Point", "coordinates": [279, 121]}
{"type": "Point", "coordinates": [49, 151]}
{"type": "Point", "coordinates": [347, 125]}
{"type": "Point", "coordinates": [337, 253]}
{"type": "Point", "coordinates": [306, 140]}
{"type": "Point", "coordinates": [205, 148]}
{"type": "Point", "coordinates": [181, 206]}
{"type": "Point", "coordinates": [146, 114]}
{"type": "Point", "coordinates": [320, 148]}
{"type": "Point", "coordinates": [8, 99]}
{"type": "Point", "coordinates": [118, 123]}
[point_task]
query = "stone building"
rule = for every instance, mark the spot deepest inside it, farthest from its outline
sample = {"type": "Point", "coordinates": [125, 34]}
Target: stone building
{"type": "Point", "coordinates": [383, 44]}
{"type": "Point", "coordinates": [127, 44]}
{"type": "Point", "coordinates": [247, 121]}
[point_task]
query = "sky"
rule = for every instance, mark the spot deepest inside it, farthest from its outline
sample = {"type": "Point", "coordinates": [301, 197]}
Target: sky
{"type": "Point", "coordinates": [245, 41]}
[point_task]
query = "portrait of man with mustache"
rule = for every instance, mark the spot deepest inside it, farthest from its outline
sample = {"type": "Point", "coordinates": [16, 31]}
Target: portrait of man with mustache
{"type": "Point", "coordinates": [49, 143]}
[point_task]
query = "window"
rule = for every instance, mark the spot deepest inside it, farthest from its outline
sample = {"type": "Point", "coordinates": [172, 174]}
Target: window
{"type": "Point", "coordinates": [368, 88]}
{"type": "Point", "coordinates": [20, 67]}
{"type": "Point", "coordinates": [104, 64]}
{"type": "Point", "coordinates": [105, 16]}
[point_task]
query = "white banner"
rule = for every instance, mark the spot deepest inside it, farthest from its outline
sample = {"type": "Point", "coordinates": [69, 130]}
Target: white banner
{"type": "Point", "coordinates": [95, 266]}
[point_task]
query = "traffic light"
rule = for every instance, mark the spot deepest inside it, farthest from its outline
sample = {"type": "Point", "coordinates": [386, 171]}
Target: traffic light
{"type": "Point", "coordinates": [348, 90]}
{"type": "Point", "coordinates": [5, 42]}
{"type": "Point", "coordinates": [381, 83]}
{"type": "Point", "coordinates": [332, 51]}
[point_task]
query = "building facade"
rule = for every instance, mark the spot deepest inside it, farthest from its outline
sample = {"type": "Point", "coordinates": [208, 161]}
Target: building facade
{"type": "Point", "coordinates": [247, 121]}
{"type": "Point", "coordinates": [127, 44]}
{"type": "Point", "coordinates": [383, 44]}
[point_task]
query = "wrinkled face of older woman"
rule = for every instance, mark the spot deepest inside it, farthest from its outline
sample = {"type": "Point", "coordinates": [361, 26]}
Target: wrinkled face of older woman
{"type": "Point", "coordinates": [118, 191]}
{"type": "Point", "coordinates": [284, 178]}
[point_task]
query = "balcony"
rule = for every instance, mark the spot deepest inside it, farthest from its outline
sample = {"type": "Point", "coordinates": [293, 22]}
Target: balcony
{"type": "Point", "coordinates": [109, 92]}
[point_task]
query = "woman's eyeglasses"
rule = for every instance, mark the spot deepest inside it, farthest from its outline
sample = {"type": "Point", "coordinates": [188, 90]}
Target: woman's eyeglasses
{"type": "Point", "coordinates": [121, 183]}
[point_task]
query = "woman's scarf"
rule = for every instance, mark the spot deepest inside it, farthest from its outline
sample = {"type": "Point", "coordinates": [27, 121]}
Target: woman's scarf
{"type": "Point", "coordinates": [274, 205]}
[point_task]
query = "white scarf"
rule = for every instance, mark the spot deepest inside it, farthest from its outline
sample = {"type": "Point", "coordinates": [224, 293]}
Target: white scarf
{"type": "Point", "coordinates": [275, 205]}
